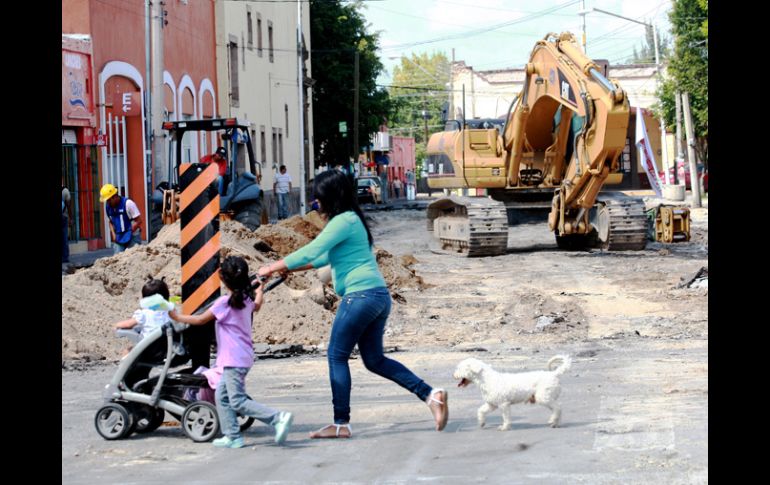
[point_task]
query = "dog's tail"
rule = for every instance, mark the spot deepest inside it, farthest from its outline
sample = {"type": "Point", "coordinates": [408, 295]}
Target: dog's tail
{"type": "Point", "coordinates": [566, 363]}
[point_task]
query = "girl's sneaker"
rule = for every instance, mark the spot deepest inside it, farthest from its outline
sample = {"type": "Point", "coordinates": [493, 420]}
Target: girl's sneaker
{"type": "Point", "coordinates": [282, 426]}
{"type": "Point", "coordinates": [227, 442]}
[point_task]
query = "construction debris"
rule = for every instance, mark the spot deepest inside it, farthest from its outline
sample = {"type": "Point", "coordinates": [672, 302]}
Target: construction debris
{"type": "Point", "coordinates": [297, 313]}
{"type": "Point", "coordinates": [698, 280]}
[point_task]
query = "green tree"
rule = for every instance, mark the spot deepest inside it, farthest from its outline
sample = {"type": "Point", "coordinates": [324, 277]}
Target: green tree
{"type": "Point", "coordinates": [419, 90]}
{"type": "Point", "coordinates": [337, 32]}
{"type": "Point", "coordinates": [704, 28]}
{"type": "Point", "coordinates": [688, 69]}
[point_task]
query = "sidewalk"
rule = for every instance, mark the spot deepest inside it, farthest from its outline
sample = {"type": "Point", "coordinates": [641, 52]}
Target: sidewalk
{"type": "Point", "coordinates": [84, 260]}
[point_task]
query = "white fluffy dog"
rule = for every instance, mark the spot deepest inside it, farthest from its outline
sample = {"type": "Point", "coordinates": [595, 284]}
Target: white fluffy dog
{"type": "Point", "coordinates": [501, 390]}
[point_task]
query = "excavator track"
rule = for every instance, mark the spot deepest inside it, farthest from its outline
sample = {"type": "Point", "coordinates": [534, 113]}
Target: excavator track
{"type": "Point", "coordinates": [626, 219]}
{"type": "Point", "coordinates": [470, 226]}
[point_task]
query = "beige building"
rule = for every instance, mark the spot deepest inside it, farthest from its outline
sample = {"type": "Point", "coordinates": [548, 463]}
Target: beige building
{"type": "Point", "coordinates": [488, 94]}
{"type": "Point", "coordinates": [256, 45]}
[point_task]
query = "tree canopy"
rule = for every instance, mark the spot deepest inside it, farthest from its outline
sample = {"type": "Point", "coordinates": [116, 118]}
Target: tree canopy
{"type": "Point", "coordinates": [688, 69]}
{"type": "Point", "coordinates": [419, 90]}
{"type": "Point", "coordinates": [337, 32]}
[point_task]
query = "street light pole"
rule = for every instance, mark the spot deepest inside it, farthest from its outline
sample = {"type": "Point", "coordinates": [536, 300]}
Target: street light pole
{"type": "Point", "coordinates": [663, 143]}
{"type": "Point", "coordinates": [300, 94]}
{"type": "Point", "coordinates": [451, 114]}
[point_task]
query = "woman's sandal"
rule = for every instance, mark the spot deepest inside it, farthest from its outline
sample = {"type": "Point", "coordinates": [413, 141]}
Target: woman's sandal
{"type": "Point", "coordinates": [443, 414]}
{"type": "Point", "coordinates": [319, 433]}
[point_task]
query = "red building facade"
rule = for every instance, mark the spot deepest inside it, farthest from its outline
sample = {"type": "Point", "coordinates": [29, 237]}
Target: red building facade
{"type": "Point", "coordinates": [116, 84]}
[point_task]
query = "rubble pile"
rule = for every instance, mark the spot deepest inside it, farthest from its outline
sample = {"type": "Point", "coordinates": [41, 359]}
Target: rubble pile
{"type": "Point", "coordinates": [298, 312]}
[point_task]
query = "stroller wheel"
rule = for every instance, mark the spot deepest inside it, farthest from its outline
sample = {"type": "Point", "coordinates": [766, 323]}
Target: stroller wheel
{"type": "Point", "coordinates": [148, 419]}
{"type": "Point", "coordinates": [200, 421]}
{"type": "Point", "coordinates": [113, 421]}
{"type": "Point", "coordinates": [245, 422]}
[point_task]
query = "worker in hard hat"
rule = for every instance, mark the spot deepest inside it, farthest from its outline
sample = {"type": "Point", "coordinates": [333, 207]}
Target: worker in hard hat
{"type": "Point", "coordinates": [124, 217]}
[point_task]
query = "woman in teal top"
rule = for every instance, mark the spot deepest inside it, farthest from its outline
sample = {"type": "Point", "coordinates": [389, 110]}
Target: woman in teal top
{"type": "Point", "coordinates": [346, 244]}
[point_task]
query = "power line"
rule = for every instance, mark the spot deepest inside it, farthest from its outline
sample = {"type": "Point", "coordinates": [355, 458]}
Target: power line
{"type": "Point", "coordinates": [452, 24]}
{"type": "Point", "coordinates": [485, 29]}
{"type": "Point", "coordinates": [608, 37]}
{"type": "Point", "coordinates": [441, 91]}
{"type": "Point", "coordinates": [632, 25]}
{"type": "Point", "coordinates": [484, 7]}
{"type": "Point", "coordinates": [406, 128]}
{"type": "Point", "coordinates": [176, 22]}
{"type": "Point", "coordinates": [304, 1]}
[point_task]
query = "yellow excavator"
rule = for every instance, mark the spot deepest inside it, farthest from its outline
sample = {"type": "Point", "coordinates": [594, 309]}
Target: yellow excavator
{"type": "Point", "coordinates": [561, 141]}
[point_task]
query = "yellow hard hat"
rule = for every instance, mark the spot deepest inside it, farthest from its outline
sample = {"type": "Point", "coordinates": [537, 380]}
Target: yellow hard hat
{"type": "Point", "coordinates": [106, 192]}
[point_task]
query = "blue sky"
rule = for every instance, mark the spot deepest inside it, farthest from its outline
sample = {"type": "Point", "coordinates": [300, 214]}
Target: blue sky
{"type": "Point", "coordinates": [403, 23]}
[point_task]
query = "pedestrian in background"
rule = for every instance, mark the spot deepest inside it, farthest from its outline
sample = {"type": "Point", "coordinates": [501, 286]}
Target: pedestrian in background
{"type": "Point", "coordinates": [397, 185]}
{"type": "Point", "coordinates": [282, 188]}
{"type": "Point", "coordinates": [65, 207]}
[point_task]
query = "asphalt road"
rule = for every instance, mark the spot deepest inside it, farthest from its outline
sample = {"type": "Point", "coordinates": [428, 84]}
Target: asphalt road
{"type": "Point", "coordinates": [635, 410]}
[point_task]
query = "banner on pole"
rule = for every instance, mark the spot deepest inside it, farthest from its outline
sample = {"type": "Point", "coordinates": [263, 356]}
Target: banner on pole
{"type": "Point", "coordinates": [647, 157]}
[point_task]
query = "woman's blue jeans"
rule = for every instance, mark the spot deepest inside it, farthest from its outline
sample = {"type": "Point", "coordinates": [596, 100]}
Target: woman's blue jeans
{"type": "Point", "coordinates": [361, 319]}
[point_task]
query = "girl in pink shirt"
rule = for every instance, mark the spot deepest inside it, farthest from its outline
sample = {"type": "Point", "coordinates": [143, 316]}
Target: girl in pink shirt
{"type": "Point", "coordinates": [235, 354]}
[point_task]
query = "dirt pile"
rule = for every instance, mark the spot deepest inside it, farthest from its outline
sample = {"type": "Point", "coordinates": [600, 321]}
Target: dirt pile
{"type": "Point", "coordinates": [300, 311]}
{"type": "Point", "coordinates": [94, 299]}
{"type": "Point", "coordinates": [291, 234]}
{"type": "Point", "coordinates": [396, 270]}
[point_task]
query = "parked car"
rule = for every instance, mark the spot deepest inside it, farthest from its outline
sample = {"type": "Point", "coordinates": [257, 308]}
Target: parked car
{"type": "Point", "coordinates": [684, 174]}
{"type": "Point", "coordinates": [369, 190]}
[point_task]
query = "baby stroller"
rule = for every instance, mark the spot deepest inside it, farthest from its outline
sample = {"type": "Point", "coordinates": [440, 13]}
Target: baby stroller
{"type": "Point", "coordinates": [138, 402]}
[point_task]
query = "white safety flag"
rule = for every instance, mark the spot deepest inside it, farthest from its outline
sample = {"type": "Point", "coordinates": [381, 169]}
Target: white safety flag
{"type": "Point", "coordinates": [647, 158]}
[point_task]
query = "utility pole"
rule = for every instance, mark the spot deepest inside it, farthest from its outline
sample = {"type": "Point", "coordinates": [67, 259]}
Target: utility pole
{"type": "Point", "coordinates": [473, 98]}
{"type": "Point", "coordinates": [355, 107]}
{"type": "Point", "coordinates": [147, 113]}
{"type": "Point", "coordinates": [679, 151]}
{"type": "Point", "coordinates": [663, 141]}
{"type": "Point", "coordinates": [694, 179]}
{"type": "Point", "coordinates": [157, 102]}
{"type": "Point", "coordinates": [300, 93]}
{"type": "Point", "coordinates": [452, 87]}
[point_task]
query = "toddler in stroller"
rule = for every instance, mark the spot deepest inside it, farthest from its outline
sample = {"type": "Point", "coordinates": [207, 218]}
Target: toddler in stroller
{"type": "Point", "coordinates": [153, 309]}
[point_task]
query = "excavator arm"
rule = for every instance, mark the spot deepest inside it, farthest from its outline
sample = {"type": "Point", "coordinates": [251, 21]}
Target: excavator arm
{"type": "Point", "coordinates": [559, 77]}
{"type": "Point", "coordinates": [564, 134]}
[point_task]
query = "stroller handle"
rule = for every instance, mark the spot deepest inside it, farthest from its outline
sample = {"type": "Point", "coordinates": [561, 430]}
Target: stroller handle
{"type": "Point", "coordinates": [267, 286]}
